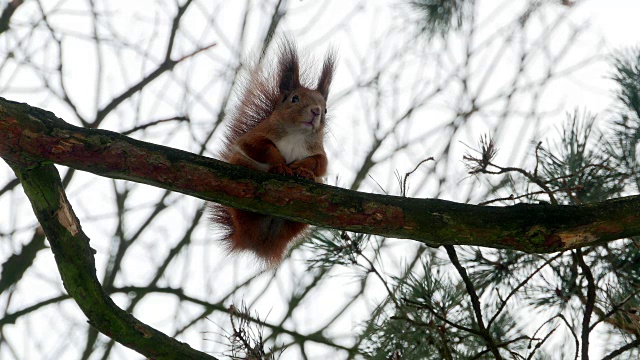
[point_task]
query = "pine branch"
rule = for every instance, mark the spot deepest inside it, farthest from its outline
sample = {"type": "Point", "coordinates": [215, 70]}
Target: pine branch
{"type": "Point", "coordinates": [30, 137]}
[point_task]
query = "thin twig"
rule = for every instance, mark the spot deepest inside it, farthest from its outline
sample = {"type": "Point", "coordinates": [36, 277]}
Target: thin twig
{"type": "Point", "coordinates": [535, 170]}
{"type": "Point", "coordinates": [620, 351]}
{"type": "Point", "coordinates": [522, 283]}
{"type": "Point", "coordinates": [614, 309]}
{"type": "Point", "coordinates": [591, 299]}
{"type": "Point", "coordinates": [406, 175]}
{"type": "Point", "coordinates": [438, 316]}
{"type": "Point", "coordinates": [475, 300]}
{"type": "Point", "coordinates": [153, 123]}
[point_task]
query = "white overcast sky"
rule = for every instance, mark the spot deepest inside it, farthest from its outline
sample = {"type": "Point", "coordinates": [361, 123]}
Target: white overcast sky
{"type": "Point", "coordinates": [614, 21]}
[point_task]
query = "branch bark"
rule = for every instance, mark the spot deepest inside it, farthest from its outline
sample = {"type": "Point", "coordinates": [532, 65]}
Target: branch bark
{"type": "Point", "coordinates": [31, 137]}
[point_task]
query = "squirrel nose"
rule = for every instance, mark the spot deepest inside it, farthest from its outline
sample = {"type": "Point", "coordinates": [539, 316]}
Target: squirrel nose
{"type": "Point", "coordinates": [315, 111]}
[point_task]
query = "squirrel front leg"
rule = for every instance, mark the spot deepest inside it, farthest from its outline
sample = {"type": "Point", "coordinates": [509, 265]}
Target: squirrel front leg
{"type": "Point", "coordinates": [262, 150]}
{"type": "Point", "coordinates": [310, 167]}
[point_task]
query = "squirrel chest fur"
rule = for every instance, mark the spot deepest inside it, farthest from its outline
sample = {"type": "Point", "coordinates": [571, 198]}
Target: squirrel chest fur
{"type": "Point", "coordinates": [294, 147]}
{"type": "Point", "coordinates": [278, 126]}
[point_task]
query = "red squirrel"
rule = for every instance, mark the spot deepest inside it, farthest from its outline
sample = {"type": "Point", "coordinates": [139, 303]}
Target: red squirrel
{"type": "Point", "coordinates": [277, 126]}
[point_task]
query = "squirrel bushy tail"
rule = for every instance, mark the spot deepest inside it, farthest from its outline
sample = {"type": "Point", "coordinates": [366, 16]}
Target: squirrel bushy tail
{"type": "Point", "coordinates": [266, 236]}
{"type": "Point", "coordinates": [277, 126]}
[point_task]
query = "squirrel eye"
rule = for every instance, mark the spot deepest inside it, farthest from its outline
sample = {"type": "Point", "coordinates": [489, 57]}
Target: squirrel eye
{"type": "Point", "coordinates": [325, 110]}
{"type": "Point", "coordinates": [295, 99]}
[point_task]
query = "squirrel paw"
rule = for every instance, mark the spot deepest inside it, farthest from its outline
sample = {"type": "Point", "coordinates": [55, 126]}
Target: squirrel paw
{"type": "Point", "coordinates": [281, 169]}
{"type": "Point", "coordinates": [303, 173]}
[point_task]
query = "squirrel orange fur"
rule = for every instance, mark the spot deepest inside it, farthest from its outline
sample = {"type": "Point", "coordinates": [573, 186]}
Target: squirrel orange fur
{"type": "Point", "coordinates": [278, 126]}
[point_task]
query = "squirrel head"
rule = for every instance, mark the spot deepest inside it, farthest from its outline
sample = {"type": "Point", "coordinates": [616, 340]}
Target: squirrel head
{"type": "Point", "coordinates": [276, 95]}
{"type": "Point", "coordinates": [300, 108]}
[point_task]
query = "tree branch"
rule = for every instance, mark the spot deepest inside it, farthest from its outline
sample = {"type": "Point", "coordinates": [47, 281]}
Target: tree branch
{"type": "Point", "coordinates": [30, 137]}
{"type": "Point", "coordinates": [7, 13]}
{"type": "Point", "coordinates": [475, 301]}
{"type": "Point", "coordinates": [591, 300]}
{"type": "Point", "coordinates": [17, 264]}
{"type": "Point", "coordinates": [76, 265]}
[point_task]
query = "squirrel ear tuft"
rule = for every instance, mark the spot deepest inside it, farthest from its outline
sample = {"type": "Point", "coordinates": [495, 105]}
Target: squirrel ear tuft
{"type": "Point", "coordinates": [288, 67]}
{"type": "Point", "coordinates": [326, 75]}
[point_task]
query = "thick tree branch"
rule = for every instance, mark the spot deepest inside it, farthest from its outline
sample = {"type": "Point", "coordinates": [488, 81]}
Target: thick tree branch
{"type": "Point", "coordinates": [30, 136]}
{"type": "Point", "coordinates": [76, 265]}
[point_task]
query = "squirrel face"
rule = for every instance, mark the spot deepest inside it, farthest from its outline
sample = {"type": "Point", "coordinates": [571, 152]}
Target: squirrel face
{"type": "Point", "coordinates": [301, 110]}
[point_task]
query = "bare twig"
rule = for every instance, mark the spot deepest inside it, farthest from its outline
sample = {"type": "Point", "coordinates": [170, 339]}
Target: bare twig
{"type": "Point", "coordinates": [153, 123]}
{"type": "Point", "coordinates": [439, 316]}
{"type": "Point", "coordinates": [7, 13]}
{"type": "Point", "coordinates": [591, 299]}
{"type": "Point", "coordinates": [406, 175]}
{"type": "Point", "coordinates": [614, 354]}
{"type": "Point", "coordinates": [606, 317]}
{"type": "Point", "coordinates": [475, 301]}
{"type": "Point", "coordinates": [520, 285]}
